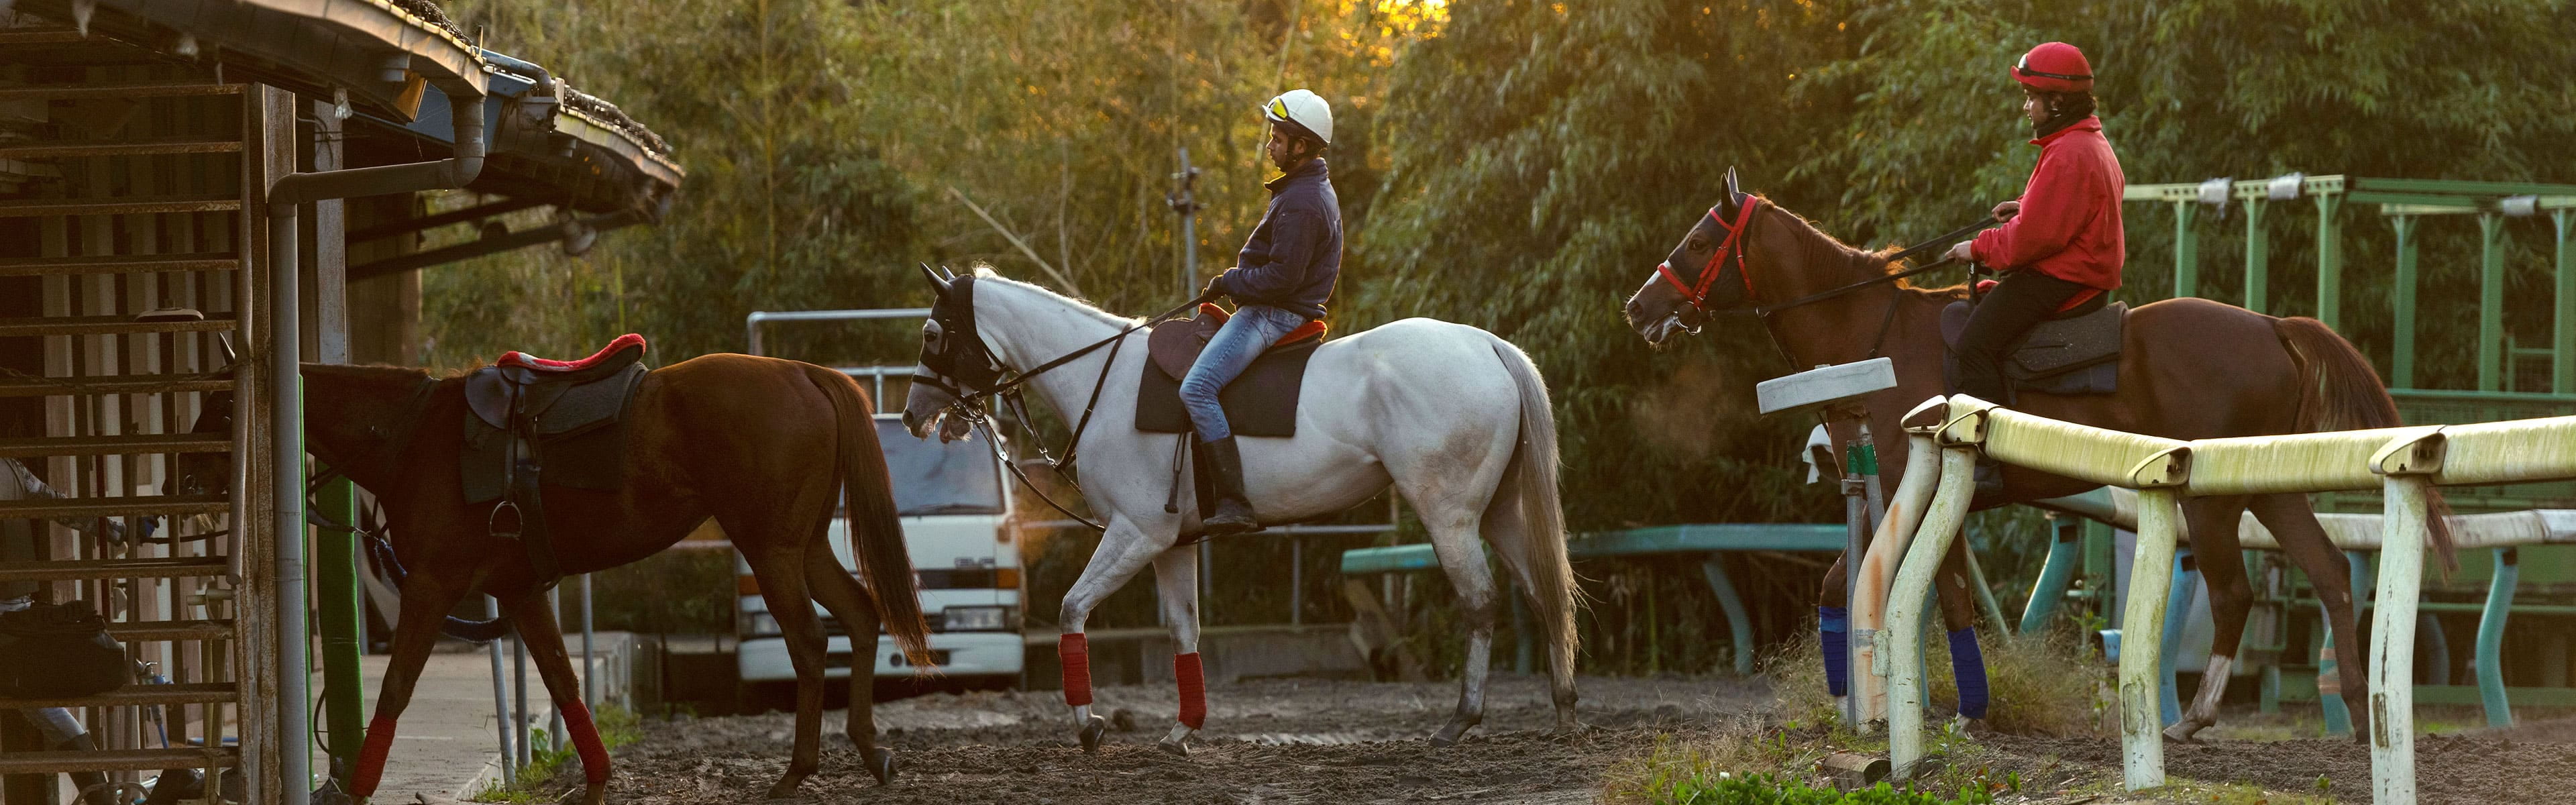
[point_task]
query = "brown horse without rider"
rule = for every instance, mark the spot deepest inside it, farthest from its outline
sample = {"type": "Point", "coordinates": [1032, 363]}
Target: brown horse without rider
{"type": "Point", "coordinates": [2189, 369]}
{"type": "Point", "coordinates": [767, 447]}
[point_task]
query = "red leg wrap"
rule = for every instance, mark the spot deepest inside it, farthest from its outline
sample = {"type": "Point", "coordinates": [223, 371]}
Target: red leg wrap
{"type": "Point", "coordinates": [371, 759]}
{"type": "Point", "coordinates": [585, 737]}
{"type": "Point", "coordinates": [1076, 654]}
{"type": "Point", "coordinates": [1185, 667]}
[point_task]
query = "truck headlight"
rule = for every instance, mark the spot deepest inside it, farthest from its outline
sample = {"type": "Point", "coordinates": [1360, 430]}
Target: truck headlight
{"type": "Point", "coordinates": [978, 619]}
{"type": "Point", "coordinates": [755, 624]}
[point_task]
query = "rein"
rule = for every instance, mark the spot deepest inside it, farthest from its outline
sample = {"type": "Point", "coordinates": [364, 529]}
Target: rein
{"type": "Point", "coordinates": [1697, 294]}
{"type": "Point", "coordinates": [1908, 251]}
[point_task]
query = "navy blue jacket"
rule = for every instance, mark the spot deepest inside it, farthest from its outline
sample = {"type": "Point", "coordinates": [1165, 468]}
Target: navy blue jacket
{"type": "Point", "coordinates": [1295, 255]}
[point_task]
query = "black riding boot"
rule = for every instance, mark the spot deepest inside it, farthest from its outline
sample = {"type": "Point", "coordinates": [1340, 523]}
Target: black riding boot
{"type": "Point", "coordinates": [1225, 473]}
{"type": "Point", "coordinates": [93, 782]}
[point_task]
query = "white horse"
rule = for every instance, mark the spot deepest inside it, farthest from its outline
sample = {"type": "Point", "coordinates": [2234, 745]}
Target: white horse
{"type": "Point", "coordinates": [1455, 417]}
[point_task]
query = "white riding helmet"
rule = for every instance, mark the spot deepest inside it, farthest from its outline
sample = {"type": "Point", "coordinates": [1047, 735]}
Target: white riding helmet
{"type": "Point", "coordinates": [1306, 109]}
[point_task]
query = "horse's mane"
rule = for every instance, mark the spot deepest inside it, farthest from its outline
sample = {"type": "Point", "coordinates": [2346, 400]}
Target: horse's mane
{"type": "Point", "coordinates": [1825, 249]}
{"type": "Point", "coordinates": [983, 272]}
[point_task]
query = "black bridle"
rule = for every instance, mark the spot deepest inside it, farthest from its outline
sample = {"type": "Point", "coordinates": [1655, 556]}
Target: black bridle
{"type": "Point", "coordinates": [966, 368]}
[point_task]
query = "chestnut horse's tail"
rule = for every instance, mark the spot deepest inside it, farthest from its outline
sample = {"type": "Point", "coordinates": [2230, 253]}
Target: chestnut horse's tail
{"type": "Point", "coordinates": [876, 534]}
{"type": "Point", "coordinates": [2339, 391]}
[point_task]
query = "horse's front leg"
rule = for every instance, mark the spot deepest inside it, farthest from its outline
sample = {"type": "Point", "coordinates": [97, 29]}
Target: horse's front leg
{"type": "Point", "coordinates": [426, 597]}
{"type": "Point", "coordinates": [1124, 550]}
{"type": "Point", "coordinates": [1176, 576]}
{"type": "Point", "coordinates": [535, 617]}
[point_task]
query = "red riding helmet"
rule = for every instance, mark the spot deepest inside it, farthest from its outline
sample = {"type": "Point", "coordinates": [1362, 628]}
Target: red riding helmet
{"type": "Point", "coordinates": [2054, 67]}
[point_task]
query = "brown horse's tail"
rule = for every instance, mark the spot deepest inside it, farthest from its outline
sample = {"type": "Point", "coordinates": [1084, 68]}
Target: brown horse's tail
{"type": "Point", "coordinates": [2339, 391]}
{"type": "Point", "coordinates": [876, 534]}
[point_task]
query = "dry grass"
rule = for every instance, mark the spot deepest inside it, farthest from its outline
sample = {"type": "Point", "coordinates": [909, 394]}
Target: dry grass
{"type": "Point", "coordinates": [2040, 684]}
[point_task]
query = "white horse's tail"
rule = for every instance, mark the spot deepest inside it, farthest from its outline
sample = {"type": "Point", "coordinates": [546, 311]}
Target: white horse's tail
{"type": "Point", "coordinates": [1535, 551]}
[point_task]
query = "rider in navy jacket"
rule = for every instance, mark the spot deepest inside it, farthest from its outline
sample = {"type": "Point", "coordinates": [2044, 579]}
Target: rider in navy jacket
{"type": "Point", "coordinates": [1295, 254]}
{"type": "Point", "coordinates": [1279, 282]}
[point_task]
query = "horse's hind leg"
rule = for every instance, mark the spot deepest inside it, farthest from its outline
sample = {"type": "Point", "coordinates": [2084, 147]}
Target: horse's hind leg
{"type": "Point", "coordinates": [782, 584]}
{"type": "Point", "coordinates": [426, 598]}
{"type": "Point", "coordinates": [2211, 524]}
{"type": "Point", "coordinates": [1959, 619]}
{"type": "Point", "coordinates": [1124, 549]}
{"type": "Point", "coordinates": [1833, 630]}
{"type": "Point", "coordinates": [841, 593]}
{"type": "Point", "coordinates": [2294, 525]}
{"type": "Point", "coordinates": [1463, 556]}
{"type": "Point", "coordinates": [535, 618]}
{"type": "Point", "coordinates": [1176, 577]}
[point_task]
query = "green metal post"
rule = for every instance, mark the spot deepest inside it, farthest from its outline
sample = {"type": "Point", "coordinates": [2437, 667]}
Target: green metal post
{"type": "Point", "coordinates": [2258, 257]}
{"type": "Point", "coordinates": [1986, 596]}
{"type": "Point", "coordinates": [2186, 253]}
{"type": "Point", "coordinates": [2562, 352]}
{"type": "Point", "coordinates": [1739, 623]}
{"type": "Point", "coordinates": [2490, 657]}
{"type": "Point", "coordinates": [2063, 557]}
{"type": "Point", "coordinates": [2101, 569]}
{"type": "Point", "coordinates": [2401, 372]}
{"type": "Point", "coordinates": [335, 572]}
{"type": "Point", "coordinates": [2338, 719]}
{"type": "Point", "coordinates": [2186, 581]}
{"type": "Point", "coordinates": [2490, 301]}
{"type": "Point", "coordinates": [2330, 259]}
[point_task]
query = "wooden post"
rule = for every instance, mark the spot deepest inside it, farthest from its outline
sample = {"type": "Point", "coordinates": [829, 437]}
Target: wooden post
{"type": "Point", "coordinates": [2142, 749]}
{"type": "Point", "coordinates": [268, 154]}
{"type": "Point", "coordinates": [2392, 641]}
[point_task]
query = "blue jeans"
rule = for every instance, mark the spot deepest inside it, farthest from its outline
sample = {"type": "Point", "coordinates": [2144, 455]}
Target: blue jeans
{"type": "Point", "coordinates": [1242, 339]}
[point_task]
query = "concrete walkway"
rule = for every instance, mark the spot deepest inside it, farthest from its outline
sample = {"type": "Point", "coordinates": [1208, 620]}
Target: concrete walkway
{"type": "Point", "coordinates": [448, 742]}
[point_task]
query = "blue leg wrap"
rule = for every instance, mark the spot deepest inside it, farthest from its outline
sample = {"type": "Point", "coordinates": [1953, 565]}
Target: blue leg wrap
{"type": "Point", "coordinates": [1968, 665]}
{"type": "Point", "coordinates": [1835, 628]}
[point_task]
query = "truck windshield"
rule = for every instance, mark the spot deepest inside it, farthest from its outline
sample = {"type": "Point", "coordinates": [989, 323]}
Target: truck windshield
{"type": "Point", "coordinates": [931, 477]}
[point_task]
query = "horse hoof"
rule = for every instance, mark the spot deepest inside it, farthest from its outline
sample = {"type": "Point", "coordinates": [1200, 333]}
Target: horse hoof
{"type": "Point", "coordinates": [881, 763]}
{"type": "Point", "coordinates": [1091, 732]}
{"type": "Point", "coordinates": [1174, 747]}
{"type": "Point", "coordinates": [2182, 731]}
{"type": "Point", "coordinates": [1449, 736]}
{"type": "Point", "coordinates": [783, 790]}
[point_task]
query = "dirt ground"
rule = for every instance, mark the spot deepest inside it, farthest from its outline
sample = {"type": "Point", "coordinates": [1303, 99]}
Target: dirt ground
{"type": "Point", "coordinates": [1321, 741]}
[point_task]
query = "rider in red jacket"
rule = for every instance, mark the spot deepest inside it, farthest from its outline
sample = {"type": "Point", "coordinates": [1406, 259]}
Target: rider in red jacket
{"type": "Point", "coordinates": [2060, 245]}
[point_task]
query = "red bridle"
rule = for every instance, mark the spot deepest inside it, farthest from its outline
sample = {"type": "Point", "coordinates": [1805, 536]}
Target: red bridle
{"type": "Point", "coordinates": [1697, 294]}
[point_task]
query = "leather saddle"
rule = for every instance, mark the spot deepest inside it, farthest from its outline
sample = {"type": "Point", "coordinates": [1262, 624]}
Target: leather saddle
{"type": "Point", "coordinates": [1260, 402]}
{"type": "Point", "coordinates": [2076, 352]}
{"type": "Point", "coordinates": [1177, 343]}
{"type": "Point", "coordinates": [531, 420]}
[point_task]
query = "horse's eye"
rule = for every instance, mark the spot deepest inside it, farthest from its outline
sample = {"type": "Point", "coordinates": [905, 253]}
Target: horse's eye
{"type": "Point", "coordinates": [1698, 244]}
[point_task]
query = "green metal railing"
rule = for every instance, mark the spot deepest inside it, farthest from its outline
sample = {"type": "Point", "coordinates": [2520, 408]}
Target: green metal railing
{"type": "Point", "coordinates": [2404, 202]}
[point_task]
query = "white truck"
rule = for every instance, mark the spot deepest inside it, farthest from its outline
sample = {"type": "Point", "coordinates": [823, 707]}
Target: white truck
{"type": "Point", "coordinates": [956, 512]}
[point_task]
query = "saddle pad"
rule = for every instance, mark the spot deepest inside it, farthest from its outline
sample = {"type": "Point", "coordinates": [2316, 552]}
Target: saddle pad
{"type": "Point", "coordinates": [2055, 346]}
{"type": "Point", "coordinates": [580, 440]}
{"type": "Point", "coordinates": [1262, 402]}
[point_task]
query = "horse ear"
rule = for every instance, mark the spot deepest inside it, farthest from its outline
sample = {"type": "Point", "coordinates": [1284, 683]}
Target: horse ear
{"type": "Point", "coordinates": [1734, 196]}
{"type": "Point", "coordinates": [226, 341]}
{"type": "Point", "coordinates": [936, 284]}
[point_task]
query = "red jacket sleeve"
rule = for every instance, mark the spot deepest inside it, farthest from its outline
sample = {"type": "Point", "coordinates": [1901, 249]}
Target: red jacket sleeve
{"type": "Point", "coordinates": [2053, 207]}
